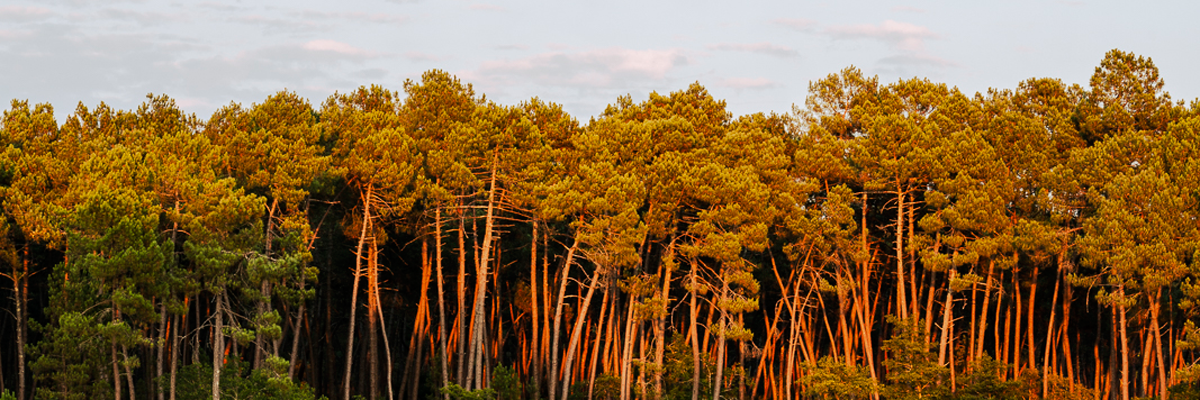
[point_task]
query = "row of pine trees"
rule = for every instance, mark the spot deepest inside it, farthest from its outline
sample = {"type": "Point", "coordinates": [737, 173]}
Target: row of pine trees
{"type": "Point", "coordinates": [884, 240]}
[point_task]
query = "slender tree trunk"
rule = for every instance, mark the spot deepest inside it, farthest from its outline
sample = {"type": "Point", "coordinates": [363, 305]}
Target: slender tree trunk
{"type": "Point", "coordinates": [694, 311]}
{"type": "Point", "coordinates": [462, 300]}
{"type": "Point", "coordinates": [535, 375]}
{"type": "Point", "coordinates": [128, 373]}
{"type": "Point", "coordinates": [445, 371]}
{"type": "Point", "coordinates": [358, 273]}
{"type": "Point", "coordinates": [718, 380]}
{"type": "Point", "coordinates": [597, 345]}
{"type": "Point", "coordinates": [627, 350]}
{"type": "Point", "coordinates": [162, 347]}
{"type": "Point", "coordinates": [481, 280]}
{"type": "Point", "coordinates": [555, 372]}
{"type": "Point", "coordinates": [20, 294]}
{"type": "Point", "coordinates": [660, 331]}
{"type": "Point", "coordinates": [218, 345]}
{"type": "Point", "coordinates": [414, 375]}
{"type": "Point", "coordinates": [372, 320]}
{"type": "Point", "coordinates": [1123, 328]}
{"type": "Point", "coordinates": [947, 328]}
{"type": "Point", "coordinates": [1156, 330]}
{"type": "Point", "coordinates": [1050, 330]}
{"type": "Point", "coordinates": [983, 325]}
{"type": "Point", "coordinates": [901, 298]}
{"type": "Point", "coordinates": [580, 317]}
{"type": "Point", "coordinates": [1031, 349]}
{"type": "Point", "coordinates": [175, 327]}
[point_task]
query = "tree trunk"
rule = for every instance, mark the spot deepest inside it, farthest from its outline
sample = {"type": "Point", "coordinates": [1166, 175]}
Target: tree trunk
{"type": "Point", "coordinates": [358, 273]}
{"type": "Point", "coordinates": [1156, 330]}
{"type": "Point", "coordinates": [901, 298]}
{"type": "Point", "coordinates": [481, 279]}
{"type": "Point", "coordinates": [445, 371]}
{"type": "Point", "coordinates": [534, 375]}
{"type": "Point", "coordinates": [162, 347]}
{"type": "Point", "coordinates": [21, 293]}
{"type": "Point", "coordinates": [1124, 344]}
{"type": "Point", "coordinates": [462, 300]}
{"type": "Point", "coordinates": [552, 382]}
{"type": "Point", "coordinates": [218, 345]}
{"type": "Point", "coordinates": [695, 332]}
{"type": "Point", "coordinates": [580, 317]}
{"type": "Point", "coordinates": [721, 326]}
{"type": "Point", "coordinates": [1050, 328]}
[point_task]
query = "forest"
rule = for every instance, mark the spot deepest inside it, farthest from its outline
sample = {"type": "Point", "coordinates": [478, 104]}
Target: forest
{"type": "Point", "coordinates": [897, 240]}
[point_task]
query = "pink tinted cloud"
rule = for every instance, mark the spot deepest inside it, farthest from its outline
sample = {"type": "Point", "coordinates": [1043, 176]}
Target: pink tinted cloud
{"type": "Point", "coordinates": [903, 35]}
{"type": "Point", "coordinates": [335, 47]}
{"type": "Point", "coordinates": [589, 68]}
{"type": "Point", "coordinates": [749, 83]}
{"type": "Point", "coordinates": [761, 48]}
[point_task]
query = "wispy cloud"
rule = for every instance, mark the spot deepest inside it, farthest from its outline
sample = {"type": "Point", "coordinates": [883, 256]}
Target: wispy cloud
{"type": "Point", "coordinates": [591, 68]}
{"type": "Point", "coordinates": [902, 35]}
{"type": "Point", "coordinates": [761, 48]}
{"type": "Point", "coordinates": [24, 13]}
{"type": "Point", "coordinates": [333, 46]}
{"type": "Point", "coordinates": [800, 24]}
{"type": "Point", "coordinates": [487, 7]}
{"type": "Point", "coordinates": [419, 56]}
{"type": "Point", "coordinates": [748, 83]}
{"type": "Point", "coordinates": [907, 9]}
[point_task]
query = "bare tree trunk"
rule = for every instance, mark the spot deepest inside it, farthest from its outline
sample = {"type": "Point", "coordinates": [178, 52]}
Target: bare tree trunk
{"type": "Point", "coordinates": [535, 375]}
{"type": "Point", "coordinates": [552, 382]}
{"type": "Point", "coordinates": [946, 321]}
{"type": "Point", "coordinates": [987, 299]}
{"type": "Point", "coordinates": [1031, 349]}
{"type": "Point", "coordinates": [372, 320]}
{"type": "Point", "coordinates": [1156, 330]}
{"type": "Point", "coordinates": [441, 301]}
{"type": "Point", "coordinates": [358, 272]}
{"type": "Point", "coordinates": [1124, 344]}
{"type": "Point", "coordinates": [902, 298]}
{"type": "Point", "coordinates": [175, 326]}
{"type": "Point", "coordinates": [577, 331]}
{"type": "Point", "coordinates": [481, 278]}
{"type": "Point", "coordinates": [462, 300]}
{"type": "Point", "coordinates": [128, 373]}
{"type": "Point", "coordinates": [218, 345]}
{"type": "Point", "coordinates": [694, 311]}
{"type": "Point", "coordinates": [421, 325]}
{"type": "Point", "coordinates": [627, 350]}
{"type": "Point", "coordinates": [162, 347]}
{"type": "Point", "coordinates": [724, 323]}
{"type": "Point", "coordinates": [21, 293]}
{"type": "Point", "coordinates": [1050, 330]}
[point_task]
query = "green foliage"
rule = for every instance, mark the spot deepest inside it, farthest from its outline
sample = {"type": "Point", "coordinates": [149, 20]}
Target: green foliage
{"type": "Point", "coordinates": [912, 369]}
{"type": "Point", "coordinates": [458, 393]}
{"type": "Point", "coordinates": [239, 382]}
{"type": "Point", "coordinates": [983, 382]}
{"type": "Point", "coordinates": [830, 378]}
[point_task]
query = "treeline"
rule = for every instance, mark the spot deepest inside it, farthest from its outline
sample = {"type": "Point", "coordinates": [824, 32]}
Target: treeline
{"type": "Point", "coordinates": [895, 240]}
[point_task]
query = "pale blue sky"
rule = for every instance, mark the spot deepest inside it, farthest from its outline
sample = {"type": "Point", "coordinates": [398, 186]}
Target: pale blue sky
{"type": "Point", "coordinates": [757, 55]}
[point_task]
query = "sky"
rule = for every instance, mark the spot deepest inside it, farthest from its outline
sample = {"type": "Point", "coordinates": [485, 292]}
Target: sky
{"type": "Point", "coordinates": [757, 55]}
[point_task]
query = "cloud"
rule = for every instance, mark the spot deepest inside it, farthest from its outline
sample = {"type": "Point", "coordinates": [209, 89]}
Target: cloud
{"type": "Point", "coordinates": [761, 48]}
{"type": "Point", "coordinates": [512, 47]}
{"type": "Point", "coordinates": [24, 13]}
{"type": "Point", "coordinates": [419, 56]}
{"type": "Point", "coordinates": [336, 47]}
{"type": "Point", "coordinates": [904, 36]}
{"type": "Point", "coordinates": [907, 9]}
{"type": "Point", "coordinates": [593, 68]}
{"type": "Point", "coordinates": [487, 7]}
{"type": "Point", "coordinates": [748, 83]}
{"type": "Point", "coordinates": [379, 18]}
{"type": "Point", "coordinates": [800, 24]}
